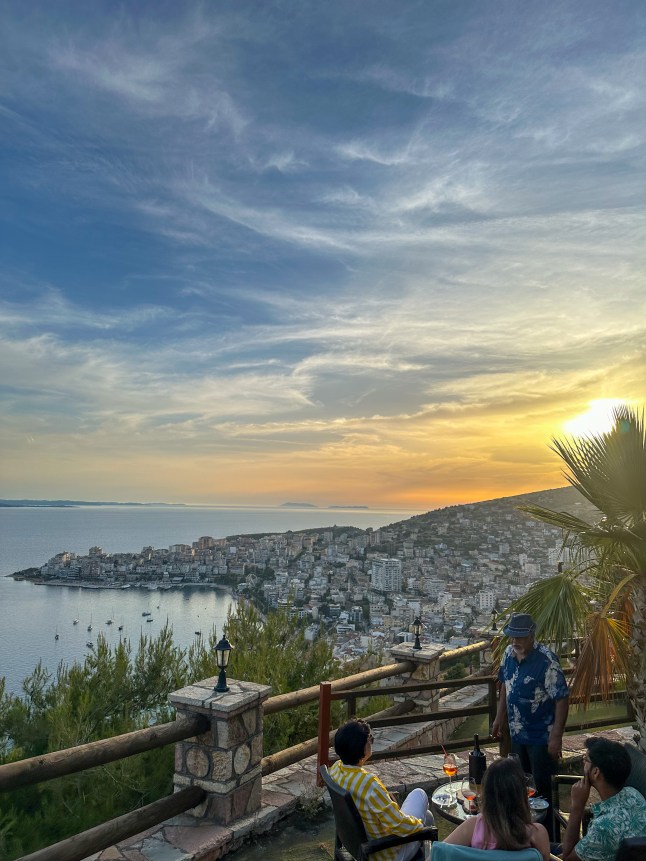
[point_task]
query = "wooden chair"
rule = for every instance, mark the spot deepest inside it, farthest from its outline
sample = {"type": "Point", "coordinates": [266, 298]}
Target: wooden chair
{"type": "Point", "coordinates": [452, 852]}
{"type": "Point", "coordinates": [351, 839]}
{"type": "Point", "coordinates": [636, 779]}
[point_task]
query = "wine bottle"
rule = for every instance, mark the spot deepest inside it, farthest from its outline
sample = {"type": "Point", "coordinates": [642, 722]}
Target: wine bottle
{"type": "Point", "coordinates": [477, 763]}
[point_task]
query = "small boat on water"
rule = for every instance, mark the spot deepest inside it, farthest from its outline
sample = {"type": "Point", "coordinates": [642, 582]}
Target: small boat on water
{"type": "Point", "coordinates": [146, 613]}
{"type": "Point", "coordinates": [198, 633]}
{"type": "Point", "coordinates": [75, 622]}
{"type": "Point", "coordinates": [89, 645]}
{"type": "Point", "coordinates": [121, 627]}
{"type": "Point", "coordinates": [109, 622]}
{"type": "Point", "coordinates": [56, 635]}
{"type": "Point", "coordinates": [150, 619]}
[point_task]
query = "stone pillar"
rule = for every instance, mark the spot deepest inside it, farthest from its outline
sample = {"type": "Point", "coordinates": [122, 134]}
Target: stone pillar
{"type": "Point", "coordinates": [225, 760]}
{"type": "Point", "coordinates": [427, 660]}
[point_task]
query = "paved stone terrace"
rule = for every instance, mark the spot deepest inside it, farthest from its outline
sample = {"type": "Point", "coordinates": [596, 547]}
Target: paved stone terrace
{"type": "Point", "coordinates": [181, 839]}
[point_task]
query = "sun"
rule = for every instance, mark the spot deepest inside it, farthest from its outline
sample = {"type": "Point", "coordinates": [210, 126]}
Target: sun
{"type": "Point", "coordinates": [597, 420]}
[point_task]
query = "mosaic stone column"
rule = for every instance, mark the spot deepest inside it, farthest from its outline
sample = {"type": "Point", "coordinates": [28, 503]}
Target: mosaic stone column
{"type": "Point", "coordinates": [427, 660]}
{"type": "Point", "coordinates": [225, 760]}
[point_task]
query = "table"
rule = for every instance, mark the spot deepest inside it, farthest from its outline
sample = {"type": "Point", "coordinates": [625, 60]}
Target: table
{"type": "Point", "coordinates": [445, 801]}
{"type": "Point", "coordinates": [448, 802]}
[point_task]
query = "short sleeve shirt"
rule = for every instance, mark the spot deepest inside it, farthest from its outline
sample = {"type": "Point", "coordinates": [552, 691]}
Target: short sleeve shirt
{"type": "Point", "coordinates": [621, 815]}
{"type": "Point", "coordinates": [532, 686]}
{"type": "Point", "coordinates": [381, 816]}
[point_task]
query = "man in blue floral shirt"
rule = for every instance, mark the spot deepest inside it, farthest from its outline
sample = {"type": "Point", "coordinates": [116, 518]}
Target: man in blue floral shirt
{"type": "Point", "coordinates": [534, 699]}
{"type": "Point", "coordinates": [620, 813]}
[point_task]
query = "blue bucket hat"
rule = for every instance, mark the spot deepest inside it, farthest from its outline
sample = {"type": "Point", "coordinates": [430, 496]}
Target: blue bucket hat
{"type": "Point", "coordinates": [520, 625]}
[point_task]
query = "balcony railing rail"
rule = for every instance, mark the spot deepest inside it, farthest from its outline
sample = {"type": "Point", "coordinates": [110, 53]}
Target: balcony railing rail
{"type": "Point", "coordinates": [60, 763]}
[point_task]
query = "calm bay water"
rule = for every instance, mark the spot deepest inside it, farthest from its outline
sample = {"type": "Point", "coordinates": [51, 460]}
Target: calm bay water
{"type": "Point", "coordinates": [31, 615]}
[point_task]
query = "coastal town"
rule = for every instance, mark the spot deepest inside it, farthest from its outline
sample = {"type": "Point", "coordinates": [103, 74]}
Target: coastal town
{"type": "Point", "coordinates": [452, 567]}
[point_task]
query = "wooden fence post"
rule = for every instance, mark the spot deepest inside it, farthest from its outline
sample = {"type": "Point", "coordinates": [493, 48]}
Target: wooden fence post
{"type": "Point", "coordinates": [325, 698]}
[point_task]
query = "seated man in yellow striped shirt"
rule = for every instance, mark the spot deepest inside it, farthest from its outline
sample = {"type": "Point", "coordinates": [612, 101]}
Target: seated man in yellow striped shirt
{"type": "Point", "coordinates": [381, 815]}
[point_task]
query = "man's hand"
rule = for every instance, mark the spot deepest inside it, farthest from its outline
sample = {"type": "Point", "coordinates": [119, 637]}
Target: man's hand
{"type": "Point", "coordinates": [555, 745]}
{"type": "Point", "coordinates": [496, 728]}
{"type": "Point", "coordinates": [579, 794]}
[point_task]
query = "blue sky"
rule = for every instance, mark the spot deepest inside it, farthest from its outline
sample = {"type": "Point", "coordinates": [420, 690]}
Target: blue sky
{"type": "Point", "coordinates": [345, 252]}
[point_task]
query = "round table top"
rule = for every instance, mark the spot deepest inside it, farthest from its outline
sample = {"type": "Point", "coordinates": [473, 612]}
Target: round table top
{"type": "Point", "coordinates": [447, 799]}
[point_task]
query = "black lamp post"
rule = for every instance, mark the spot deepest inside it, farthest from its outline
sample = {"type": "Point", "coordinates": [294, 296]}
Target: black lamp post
{"type": "Point", "coordinates": [417, 630]}
{"type": "Point", "coordinates": [493, 632]}
{"type": "Point", "coordinates": [222, 652]}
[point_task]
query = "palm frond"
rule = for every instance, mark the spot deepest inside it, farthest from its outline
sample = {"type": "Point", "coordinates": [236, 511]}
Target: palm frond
{"type": "Point", "coordinates": [603, 659]}
{"type": "Point", "coordinates": [609, 469]}
{"type": "Point", "coordinates": [559, 605]}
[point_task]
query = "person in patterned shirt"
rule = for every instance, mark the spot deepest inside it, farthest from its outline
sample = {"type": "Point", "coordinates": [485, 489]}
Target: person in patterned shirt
{"type": "Point", "coordinates": [534, 699]}
{"type": "Point", "coordinates": [620, 813]}
{"type": "Point", "coordinates": [381, 815]}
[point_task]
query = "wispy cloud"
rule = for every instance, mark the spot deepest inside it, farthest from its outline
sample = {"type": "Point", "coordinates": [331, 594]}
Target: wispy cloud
{"type": "Point", "coordinates": [313, 251]}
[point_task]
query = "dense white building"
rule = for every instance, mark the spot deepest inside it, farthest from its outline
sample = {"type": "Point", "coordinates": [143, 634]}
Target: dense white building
{"type": "Point", "coordinates": [486, 600]}
{"type": "Point", "coordinates": [386, 575]}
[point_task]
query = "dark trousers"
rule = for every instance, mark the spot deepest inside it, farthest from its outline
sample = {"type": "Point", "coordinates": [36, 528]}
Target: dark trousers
{"type": "Point", "coordinates": [535, 760]}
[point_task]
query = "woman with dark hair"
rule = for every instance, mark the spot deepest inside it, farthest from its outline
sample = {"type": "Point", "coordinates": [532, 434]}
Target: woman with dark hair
{"type": "Point", "coordinates": [506, 820]}
{"type": "Point", "coordinates": [380, 814]}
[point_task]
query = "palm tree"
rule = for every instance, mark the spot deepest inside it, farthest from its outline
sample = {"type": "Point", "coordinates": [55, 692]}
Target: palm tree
{"type": "Point", "coordinates": [602, 596]}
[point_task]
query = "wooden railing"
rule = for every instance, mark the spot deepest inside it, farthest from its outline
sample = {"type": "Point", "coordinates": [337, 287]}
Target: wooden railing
{"type": "Point", "coordinates": [107, 834]}
{"type": "Point", "coordinates": [282, 702]}
{"type": "Point", "coordinates": [72, 760]}
{"type": "Point", "coordinates": [328, 695]}
{"type": "Point", "coordinates": [47, 766]}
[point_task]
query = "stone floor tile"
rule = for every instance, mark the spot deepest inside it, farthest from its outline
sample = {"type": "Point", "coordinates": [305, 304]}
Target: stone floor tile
{"type": "Point", "coordinates": [160, 850]}
{"type": "Point", "coordinates": [276, 798]}
{"type": "Point", "coordinates": [191, 839]}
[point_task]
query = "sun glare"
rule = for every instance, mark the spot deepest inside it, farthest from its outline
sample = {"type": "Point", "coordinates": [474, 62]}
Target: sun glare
{"type": "Point", "coordinates": [597, 420]}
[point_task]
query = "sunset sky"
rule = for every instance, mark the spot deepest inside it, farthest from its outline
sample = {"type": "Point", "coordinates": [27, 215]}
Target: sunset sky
{"type": "Point", "coordinates": [365, 253]}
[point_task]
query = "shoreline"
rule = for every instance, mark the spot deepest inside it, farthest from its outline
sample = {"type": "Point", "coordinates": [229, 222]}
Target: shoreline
{"type": "Point", "coordinates": [120, 587]}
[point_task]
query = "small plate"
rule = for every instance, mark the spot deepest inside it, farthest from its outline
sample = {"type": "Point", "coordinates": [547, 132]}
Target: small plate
{"type": "Point", "coordinates": [538, 804]}
{"type": "Point", "coordinates": [444, 799]}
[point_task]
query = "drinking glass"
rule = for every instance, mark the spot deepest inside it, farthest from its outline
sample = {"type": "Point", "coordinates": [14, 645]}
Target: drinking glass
{"type": "Point", "coordinates": [531, 785]}
{"type": "Point", "coordinates": [469, 792]}
{"type": "Point", "coordinates": [450, 766]}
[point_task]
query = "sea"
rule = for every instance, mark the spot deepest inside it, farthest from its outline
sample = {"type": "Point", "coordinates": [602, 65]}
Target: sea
{"type": "Point", "coordinates": [32, 615]}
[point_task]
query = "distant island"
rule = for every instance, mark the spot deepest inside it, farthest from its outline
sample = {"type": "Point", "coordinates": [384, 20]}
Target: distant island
{"type": "Point", "coordinates": [298, 505]}
{"type": "Point", "coordinates": [351, 507]}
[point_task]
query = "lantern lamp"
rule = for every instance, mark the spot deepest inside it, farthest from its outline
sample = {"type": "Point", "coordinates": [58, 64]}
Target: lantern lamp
{"type": "Point", "coordinates": [417, 630]}
{"type": "Point", "coordinates": [222, 653]}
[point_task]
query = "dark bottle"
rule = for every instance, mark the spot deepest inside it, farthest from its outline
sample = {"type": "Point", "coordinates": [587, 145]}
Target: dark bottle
{"type": "Point", "coordinates": [477, 763]}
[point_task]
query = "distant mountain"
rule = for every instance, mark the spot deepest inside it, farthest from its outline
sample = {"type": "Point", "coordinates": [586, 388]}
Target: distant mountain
{"type": "Point", "coordinates": [559, 499]}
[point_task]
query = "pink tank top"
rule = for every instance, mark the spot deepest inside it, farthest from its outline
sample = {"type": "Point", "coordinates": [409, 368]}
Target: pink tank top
{"type": "Point", "coordinates": [479, 836]}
